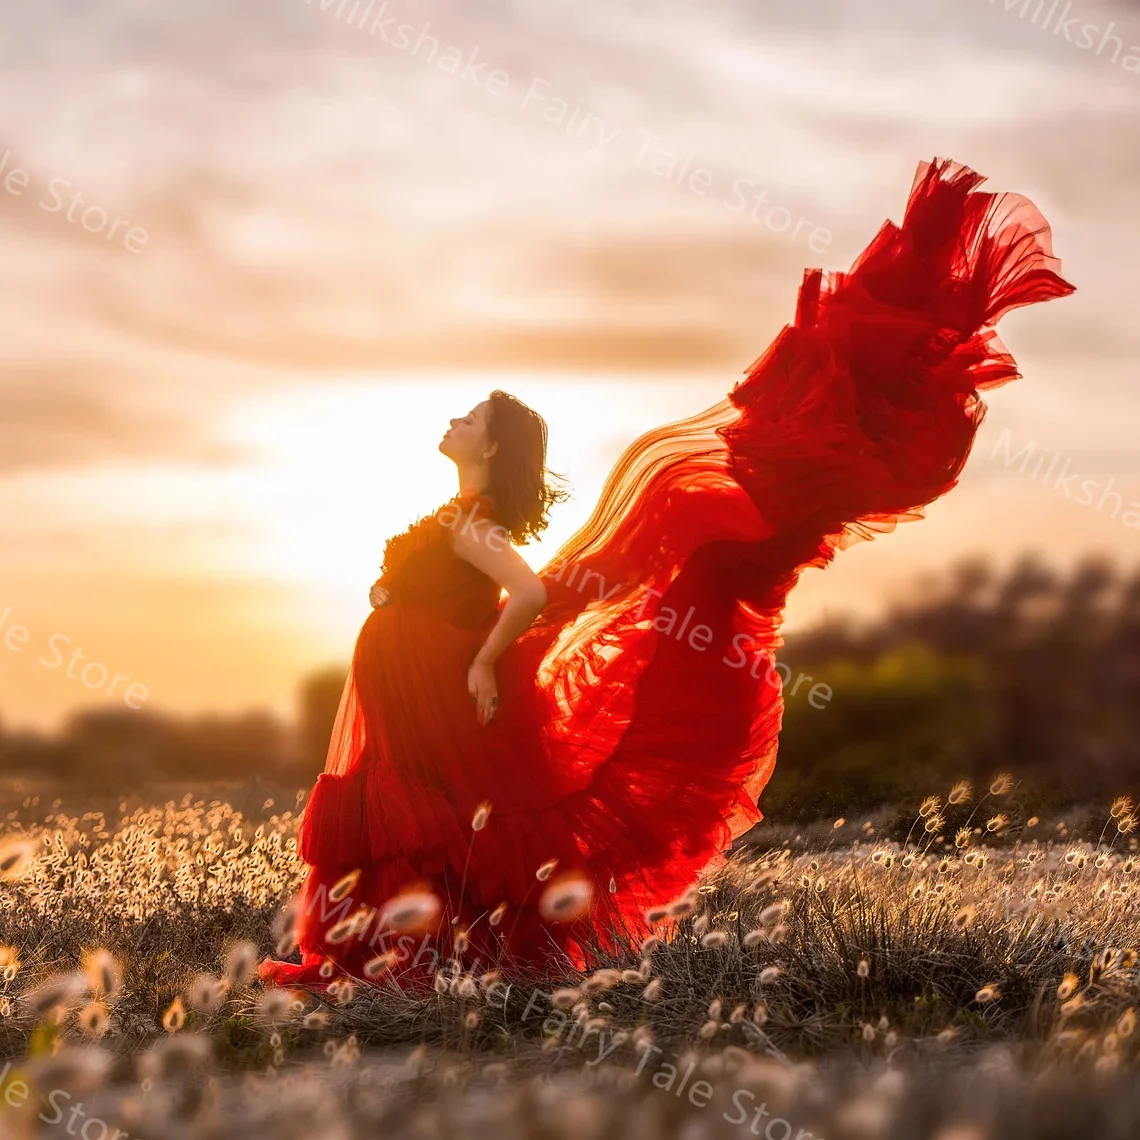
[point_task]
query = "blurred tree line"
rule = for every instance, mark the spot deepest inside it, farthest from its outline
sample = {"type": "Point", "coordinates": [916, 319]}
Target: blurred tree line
{"type": "Point", "coordinates": [121, 748]}
{"type": "Point", "coordinates": [1032, 670]}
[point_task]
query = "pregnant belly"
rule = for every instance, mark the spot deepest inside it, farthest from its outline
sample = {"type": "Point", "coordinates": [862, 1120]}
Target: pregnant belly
{"type": "Point", "coordinates": [408, 649]}
{"type": "Point", "coordinates": [420, 725]}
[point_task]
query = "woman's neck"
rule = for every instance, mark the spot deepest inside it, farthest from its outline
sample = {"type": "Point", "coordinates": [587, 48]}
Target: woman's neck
{"type": "Point", "coordinates": [474, 479]}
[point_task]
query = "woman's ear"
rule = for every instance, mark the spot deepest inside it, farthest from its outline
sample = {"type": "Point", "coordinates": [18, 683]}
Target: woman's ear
{"type": "Point", "coordinates": [491, 449]}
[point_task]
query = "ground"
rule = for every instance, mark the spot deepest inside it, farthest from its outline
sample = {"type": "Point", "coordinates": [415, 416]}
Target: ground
{"type": "Point", "coordinates": [962, 983]}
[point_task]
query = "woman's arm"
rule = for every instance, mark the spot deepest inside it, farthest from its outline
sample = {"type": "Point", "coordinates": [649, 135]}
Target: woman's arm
{"type": "Point", "coordinates": [487, 547]}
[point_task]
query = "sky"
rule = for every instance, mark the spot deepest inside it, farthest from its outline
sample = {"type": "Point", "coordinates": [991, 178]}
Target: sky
{"type": "Point", "coordinates": [300, 247]}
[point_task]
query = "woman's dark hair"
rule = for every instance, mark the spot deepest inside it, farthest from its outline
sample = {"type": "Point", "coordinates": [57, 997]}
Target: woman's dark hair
{"type": "Point", "coordinates": [520, 484]}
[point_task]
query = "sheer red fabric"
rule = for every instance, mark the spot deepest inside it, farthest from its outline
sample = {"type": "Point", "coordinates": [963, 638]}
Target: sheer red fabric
{"type": "Point", "coordinates": [639, 715]}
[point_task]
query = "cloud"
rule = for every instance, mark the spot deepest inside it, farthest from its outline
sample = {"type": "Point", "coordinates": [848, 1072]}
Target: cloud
{"type": "Point", "coordinates": [54, 416]}
{"type": "Point", "coordinates": [347, 208]}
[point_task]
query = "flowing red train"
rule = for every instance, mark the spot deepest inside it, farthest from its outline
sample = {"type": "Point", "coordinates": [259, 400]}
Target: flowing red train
{"type": "Point", "coordinates": [635, 733]}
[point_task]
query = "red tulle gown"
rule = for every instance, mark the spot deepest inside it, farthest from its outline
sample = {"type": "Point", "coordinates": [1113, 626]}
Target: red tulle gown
{"type": "Point", "coordinates": [638, 717]}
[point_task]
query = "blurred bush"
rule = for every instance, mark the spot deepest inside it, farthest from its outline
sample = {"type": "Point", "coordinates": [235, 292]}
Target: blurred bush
{"type": "Point", "coordinates": [1034, 672]}
{"type": "Point", "coordinates": [1031, 671]}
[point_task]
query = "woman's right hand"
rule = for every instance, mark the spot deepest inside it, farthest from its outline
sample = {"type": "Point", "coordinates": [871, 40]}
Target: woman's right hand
{"type": "Point", "coordinates": [378, 596]}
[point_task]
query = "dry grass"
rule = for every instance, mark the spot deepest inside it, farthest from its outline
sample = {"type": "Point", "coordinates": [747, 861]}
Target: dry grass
{"type": "Point", "coordinates": [966, 977]}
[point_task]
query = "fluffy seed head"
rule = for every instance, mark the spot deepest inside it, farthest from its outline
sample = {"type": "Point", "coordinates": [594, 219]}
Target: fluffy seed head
{"type": "Point", "coordinates": [93, 1019]}
{"type": "Point", "coordinates": [566, 899]}
{"type": "Point", "coordinates": [57, 994]}
{"type": "Point", "coordinates": [205, 993]}
{"type": "Point", "coordinates": [412, 912]}
{"type": "Point", "coordinates": [103, 973]}
{"type": "Point", "coordinates": [1068, 986]}
{"type": "Point", "coordinates": [239, 966]}
{"type": "Point", "coordinates": [17, 853]}
{"type": "Point", "coordinates": [174, 1017]}
{"type": "Point", "coordinates": [960, 792]}
{"type": "Point", "coordinates": [344, 886]}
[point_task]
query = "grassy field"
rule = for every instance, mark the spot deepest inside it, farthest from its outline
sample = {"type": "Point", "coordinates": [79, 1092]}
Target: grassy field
{"type": "Point", "coordinates": [974, 980]}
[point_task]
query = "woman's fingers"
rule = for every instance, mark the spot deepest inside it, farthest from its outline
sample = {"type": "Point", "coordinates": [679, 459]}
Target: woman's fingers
{"type": "Point", "coordinates": [481, 688]}
{"type": "Point", "coordinates": [486, 705]}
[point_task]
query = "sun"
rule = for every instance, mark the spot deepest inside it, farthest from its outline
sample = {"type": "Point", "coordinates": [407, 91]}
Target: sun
{"type": "Point", "coordinates": [341, 467]}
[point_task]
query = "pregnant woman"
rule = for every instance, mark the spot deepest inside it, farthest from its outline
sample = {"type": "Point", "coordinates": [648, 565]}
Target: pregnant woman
{"type": "Point", "coordinates": [510, 781]}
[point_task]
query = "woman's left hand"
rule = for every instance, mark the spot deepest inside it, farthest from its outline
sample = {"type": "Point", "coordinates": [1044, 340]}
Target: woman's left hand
{"type": "Point", "coordinates": [484, 691]}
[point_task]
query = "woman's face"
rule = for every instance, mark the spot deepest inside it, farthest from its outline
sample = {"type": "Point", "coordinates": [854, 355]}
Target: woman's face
{"type": "Point", "coordinates": [466, 440]}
